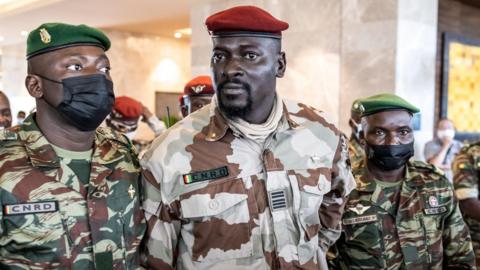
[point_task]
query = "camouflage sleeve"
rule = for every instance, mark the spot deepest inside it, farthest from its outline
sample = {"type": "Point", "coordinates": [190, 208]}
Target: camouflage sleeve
{"type": "Point", "coordinates": [163, 226]}
{"type": "Point", "coordinates": [334, 201]}
{"type": "Point", "coordinates": [465, 178]}
{"type": "Point", "coordinates": [458, 251]}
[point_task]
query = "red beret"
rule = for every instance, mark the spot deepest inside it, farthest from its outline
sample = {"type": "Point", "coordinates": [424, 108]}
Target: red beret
{"type": "Point", "coordinates": [201, 85]}
{"type": "Point", "coordinates": [128, 107]}
{"type": "Point", "coordinates": [245, 20]}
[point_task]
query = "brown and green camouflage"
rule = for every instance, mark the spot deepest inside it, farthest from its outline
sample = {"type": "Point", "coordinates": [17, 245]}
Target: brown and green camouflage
{"type": "Point", "coordinates": [417, 225]}
{"type": "Point", "coordinates": [217, 200]}
{"type": "Point", "coordinates": [49, 220]}
{"type": "Point", "coordinates": [355, 151]}
{"type": "Point", "coordinates": [466, 169]}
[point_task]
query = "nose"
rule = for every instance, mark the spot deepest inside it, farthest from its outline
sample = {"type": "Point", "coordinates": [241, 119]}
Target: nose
{"type": "Point", "coordinates": [392, 140]}
{"type": "Point", "coordinates": [233, 69]}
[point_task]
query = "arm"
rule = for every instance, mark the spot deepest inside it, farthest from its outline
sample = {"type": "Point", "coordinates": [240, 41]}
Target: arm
{"type": "Point", "coordinates": [437, 156]}
{"type": "Point", "coordinates": [152, 121]}
{"type": "Point", "coordinates": [163, 226]}
{"type": "Point", "coordinates": [457, 245]}
{"type": "Point", "coordinates": [334, 201]}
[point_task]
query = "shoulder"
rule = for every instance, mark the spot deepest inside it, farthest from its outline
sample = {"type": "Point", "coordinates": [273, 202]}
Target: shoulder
{"type": "Point", "coordinates": [471, 149]}
{"type": "Point", "coordinates": [432, 144]}
{"type": "Point", "coordinates": [118, 140]}
{"type": "Point", "coordinates": [428, 173]}
{"type": "Point", "coordinates": [310, 117]}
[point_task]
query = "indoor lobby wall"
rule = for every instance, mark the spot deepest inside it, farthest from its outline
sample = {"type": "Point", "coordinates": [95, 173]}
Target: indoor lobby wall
{"type": "Point", "coordinates": [338, 51]}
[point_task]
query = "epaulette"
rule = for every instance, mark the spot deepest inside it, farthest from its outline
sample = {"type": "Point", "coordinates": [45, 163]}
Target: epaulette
{"type": "Point", "coordinates": [117, 138]}
{"type": "Point", "coordinates": [427, 167]}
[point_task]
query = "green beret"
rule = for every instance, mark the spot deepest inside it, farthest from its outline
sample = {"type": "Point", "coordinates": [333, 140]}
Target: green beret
{"type": "Point", "coordinates": [384, 102]}
{"type": "Point", "coordinates": [53, 36]}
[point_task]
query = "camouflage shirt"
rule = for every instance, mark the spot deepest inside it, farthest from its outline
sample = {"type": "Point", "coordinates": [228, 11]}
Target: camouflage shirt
{"type": "Point", "coordinates": [466, 169]}
{"type": "Point", "coordinates": [50, 220]}
{"type": "Point", "coordinates": [216, 200]}
{"type": "Point", "coordinates": [414, 225]}
{"type": "Point", "coordinates": [355, 151]}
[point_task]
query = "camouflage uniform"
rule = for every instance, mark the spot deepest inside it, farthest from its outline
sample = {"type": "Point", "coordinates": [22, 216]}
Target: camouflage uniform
{"type": "Point", "coordinates": [416, 224]}
{"type": "Point", "coordinates": [57, 217]}
{"type": "Point", "coordinates": [355, 151]}
{"type": "Point", "coordinates": [466, 169]}
{"type": "Point", "coordinates": [215, 200]}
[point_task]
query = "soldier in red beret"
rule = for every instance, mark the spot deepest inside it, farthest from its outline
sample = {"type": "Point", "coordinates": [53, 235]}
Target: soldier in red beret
{"type": "Point", "coordinates": [197, 93]}
{"type": "Point", "coordinates": [251, 181]}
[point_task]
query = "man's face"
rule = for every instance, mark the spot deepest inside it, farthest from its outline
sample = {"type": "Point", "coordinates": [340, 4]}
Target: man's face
{"type": "Point", "coordinates": [244, 72]}
{"type": "Point", "coordinates": [388, 128]}
{"type": "Point", "coordinates": [5, 113]}
{"type": "Point", "coordinates": [71, 62]}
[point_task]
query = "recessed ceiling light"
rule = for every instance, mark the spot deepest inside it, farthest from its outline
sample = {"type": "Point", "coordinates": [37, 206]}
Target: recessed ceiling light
{"type": "Point", "coordinates": [24, 33]}
{"type": "Point", "coordinates": [2, 38]}
{"type": "Point", "coordinates": [177, 35]}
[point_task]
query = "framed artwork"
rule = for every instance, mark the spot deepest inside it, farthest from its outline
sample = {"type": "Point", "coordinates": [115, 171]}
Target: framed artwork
{"type": "Point", "coordinates": [460, 97]}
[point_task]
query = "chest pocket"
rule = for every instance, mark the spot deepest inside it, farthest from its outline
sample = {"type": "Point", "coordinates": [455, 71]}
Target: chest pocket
{"type": "Point", "coordinates": [218, 222]}
{"type": "Point", "coordinates": [34, 233]}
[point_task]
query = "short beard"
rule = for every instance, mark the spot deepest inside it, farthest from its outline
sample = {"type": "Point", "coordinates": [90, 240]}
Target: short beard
{"type": "Point", "coordinates": [232, 111]}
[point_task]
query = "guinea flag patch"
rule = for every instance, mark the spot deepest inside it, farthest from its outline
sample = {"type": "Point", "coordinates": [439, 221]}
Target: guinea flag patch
{"type": "Point", "coordinates": [201, 176]}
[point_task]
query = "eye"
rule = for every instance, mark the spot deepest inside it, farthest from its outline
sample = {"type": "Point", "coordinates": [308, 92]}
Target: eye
{"type": "Point", "coordinates": [404, 132]}
{"type": "Point", "coordinates": [251, 55]}
{"type": "Point", "coordinates": [105, 69]}
{"type": "Point", "coordinates": [379, 132]}
{"type": "Point", "coordinates": [74, 67]}
{"type": "Point", "coordinates": [217, 57]}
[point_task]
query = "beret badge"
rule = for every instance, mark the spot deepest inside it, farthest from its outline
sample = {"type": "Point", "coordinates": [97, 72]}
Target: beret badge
{"type": "Point", "coordinates": [45, 36]}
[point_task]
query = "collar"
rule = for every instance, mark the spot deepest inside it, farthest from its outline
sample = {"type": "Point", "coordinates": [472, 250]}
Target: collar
{"type": "Point", "coordinates": [366, 181]}
{"type": "Point", "coordinates": [218, 127]}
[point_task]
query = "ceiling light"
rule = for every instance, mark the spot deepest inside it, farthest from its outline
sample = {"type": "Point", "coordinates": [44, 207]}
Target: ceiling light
{"type": "Point", "coordinates": [24, 33]}
{"type": "Point", "coordinates": [2, 38]}
{"type": "Point", "coordinates": [177, 35]}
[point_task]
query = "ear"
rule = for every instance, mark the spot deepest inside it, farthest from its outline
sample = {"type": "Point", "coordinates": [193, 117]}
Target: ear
{"type": "Point", "coordinates": [281, 64]}
{"type": "Point", "coordinates": [34, 86]}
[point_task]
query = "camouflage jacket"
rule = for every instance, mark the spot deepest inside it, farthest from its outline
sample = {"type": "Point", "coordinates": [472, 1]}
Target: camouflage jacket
{"type": "Point", "coordinates": [425, 232]}
{"type": "Point", "coordinates": [466, 172]}
{"type": "Point", "coordinates": [48, 224]}
{"type": "Point", "coordinates": [215, 200]}
{"type": "Point", "coordinates": [355, 151]}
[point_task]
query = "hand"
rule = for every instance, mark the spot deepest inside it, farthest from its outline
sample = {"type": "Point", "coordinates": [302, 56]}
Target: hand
{"type": "Point", "coordinates": [146, 114]}
{"type": "Point", "coordinates": [446, 141]}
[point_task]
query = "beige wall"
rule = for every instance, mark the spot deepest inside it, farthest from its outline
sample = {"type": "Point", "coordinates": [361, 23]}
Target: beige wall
{"type": "Point", "coordinates": [338, 51]}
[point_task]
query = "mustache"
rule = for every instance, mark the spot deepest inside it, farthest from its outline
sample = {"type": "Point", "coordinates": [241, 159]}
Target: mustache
{"type": "Point", "coordinates": [246, 86]}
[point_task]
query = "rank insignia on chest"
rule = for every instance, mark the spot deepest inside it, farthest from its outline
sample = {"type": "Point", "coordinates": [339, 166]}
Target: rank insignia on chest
{"type": "Point", "coordinates": [432, 201]}
{"type": "Point", "coordinates": [131, 191]}
{"type": "Point", "coordinates": [278, 200]}
{"type": "Point", "coordinates": [30, 208]}
{"type": "Point", "coordinates": [359, 209]}
{"type": "Point", "coordinates": [205, 175]}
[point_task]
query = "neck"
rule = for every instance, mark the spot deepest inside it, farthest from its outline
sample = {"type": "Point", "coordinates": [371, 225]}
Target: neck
{"type": "Point", "coordinates": [386, 176]}
{"type": "Point", "coordinates": [260, 113]}
{"type": "Point", "coordinates": [60, 133]}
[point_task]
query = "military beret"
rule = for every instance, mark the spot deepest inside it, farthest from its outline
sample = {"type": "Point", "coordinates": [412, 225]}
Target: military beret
{"type": "Point", "coordinates": [53, 36]}
{"type": "Point", "coordinates": [128, 107]}
{"type": "Point", "coordinates": [201, 85]}
{"type": "Point", "coordinates": [245, 21]}
{"type": "Point", "coordinates": [384, 102]}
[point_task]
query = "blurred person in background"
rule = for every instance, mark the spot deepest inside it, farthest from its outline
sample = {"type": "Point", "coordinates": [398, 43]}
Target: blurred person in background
{"type": "Point", "coordinates": [5, 112]}
{"type": "Point", "coordinates": [20, 117]}
{"type": "Point", "coordinates": [443, 148]}
{"type": "Point", "coordinates": [197, 93]}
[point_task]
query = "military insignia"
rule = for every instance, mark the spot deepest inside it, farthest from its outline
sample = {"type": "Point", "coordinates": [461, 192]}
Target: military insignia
{"type": "Point", "coordinates": [30, 208]}
{"type": "Point", "coordinates": [198, 88]}
{"type": "Point", "coordinates": [435, 211]}
{"type": "Point", "coordinates": [45, 36]}
{"type": "Point", "coordinates": [205, 175]}
{"type": "Point", "coordinates": [278, 200]}
{"type": "Point", "coordinates": [359, 209]}
{"type": "Point", "coordinates": [131, 191]}
{"type": "Point", "coordinates": [432, 201]}
{"type": "Point", "coordinates": [360, 220]}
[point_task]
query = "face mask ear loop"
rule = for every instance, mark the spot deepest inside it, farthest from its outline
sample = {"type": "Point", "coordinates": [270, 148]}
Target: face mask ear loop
{"type": "Point", "coordinates": [47, 79]}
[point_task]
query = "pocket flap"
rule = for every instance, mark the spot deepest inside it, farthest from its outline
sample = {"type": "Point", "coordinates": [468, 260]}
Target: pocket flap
{"type": "Point", "coordinates": [203, 205]}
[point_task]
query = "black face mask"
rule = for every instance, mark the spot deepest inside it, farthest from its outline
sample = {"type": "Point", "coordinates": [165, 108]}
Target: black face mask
{"type": "Point", "coordinates": [389, 157]}
{"type": "Point", "coordinates": [86, 101]}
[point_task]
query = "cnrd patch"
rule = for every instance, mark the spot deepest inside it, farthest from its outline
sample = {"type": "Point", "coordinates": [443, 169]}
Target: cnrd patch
{"type": "Point", "coordinates": [195, 177]}
{"type": "Point", "coordinates": [30, 208]}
